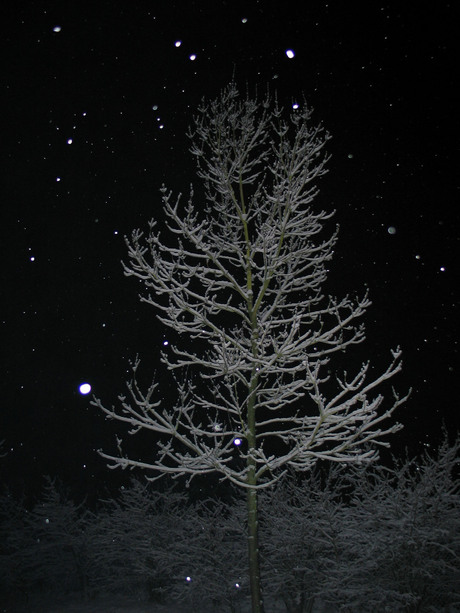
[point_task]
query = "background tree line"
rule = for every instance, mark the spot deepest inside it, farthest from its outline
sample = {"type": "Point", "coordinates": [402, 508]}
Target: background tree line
{"type": "Point", "coordinates": [367, 538]}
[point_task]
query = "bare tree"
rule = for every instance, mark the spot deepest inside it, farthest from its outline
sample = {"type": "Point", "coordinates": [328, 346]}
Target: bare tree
{"type": "Point", "coordinates": [240, 278]}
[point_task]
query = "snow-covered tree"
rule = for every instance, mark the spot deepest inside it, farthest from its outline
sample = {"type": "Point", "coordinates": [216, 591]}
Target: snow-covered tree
{"type": "Point", "coordinates": [300, 525]}
{"type": "Point", "coordinates": [46, 548]}
{"type": "Point", "coordinates": [370, 538]}
{"type": "Point", "coordinates": [209, 562]}
{"type": "Point", "coordinates": [134, 544]}
{"type": "Point", "coordinates": [400, 537]}
{"type": "Point", "coordinates": [13, 578]}
{"type": "Point", "coordinates": [239, 278]}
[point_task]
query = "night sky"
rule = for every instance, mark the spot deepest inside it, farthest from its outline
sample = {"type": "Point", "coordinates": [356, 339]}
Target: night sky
{"type": "Point", "coordinates": [96, 101]}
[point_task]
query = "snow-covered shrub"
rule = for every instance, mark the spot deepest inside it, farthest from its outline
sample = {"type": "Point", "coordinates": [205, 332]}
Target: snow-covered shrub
{"type": "Point", "coordinates": [210, 561]}
{"type": "Point", "coordinates": [299, 536]}
{"type": "Point", "coordinates": [13, 580]}
{"type": "Point", "coordinates": [46, 548]}
{"type": "Point", "coordinates": [401, 537]}
{"type": "Point", "coordinates": [369, 539]}
{"type": "Point", "coordinates": [366, 538]}
{"type": "Point", "coordinates": [135, 538]}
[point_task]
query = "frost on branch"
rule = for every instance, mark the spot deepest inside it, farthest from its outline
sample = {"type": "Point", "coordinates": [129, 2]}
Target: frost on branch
{"type": "Point", "coordinates": [239, 277]}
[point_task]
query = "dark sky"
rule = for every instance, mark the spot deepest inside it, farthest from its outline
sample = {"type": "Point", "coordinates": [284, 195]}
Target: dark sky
{"type": "Point", "coordinates": [96, 100]}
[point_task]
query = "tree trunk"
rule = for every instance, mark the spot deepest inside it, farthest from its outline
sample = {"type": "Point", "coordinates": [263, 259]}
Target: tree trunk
{"type": "Point", "coordinates": [253, 546]}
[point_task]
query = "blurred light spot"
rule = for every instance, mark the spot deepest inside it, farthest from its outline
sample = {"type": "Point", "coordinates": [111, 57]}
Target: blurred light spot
{"type": "Point", "coordinates": [85, 388]}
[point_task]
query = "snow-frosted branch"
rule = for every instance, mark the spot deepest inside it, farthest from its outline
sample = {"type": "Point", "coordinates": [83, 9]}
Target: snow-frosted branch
{"type": "Point", "coordinates": [239, 276]}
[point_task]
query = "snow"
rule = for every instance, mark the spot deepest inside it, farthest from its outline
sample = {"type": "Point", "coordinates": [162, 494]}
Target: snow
{"type": "Point", "coordinates": [99, 605]}
{"type": "Point", "coordinates": [120, 605]}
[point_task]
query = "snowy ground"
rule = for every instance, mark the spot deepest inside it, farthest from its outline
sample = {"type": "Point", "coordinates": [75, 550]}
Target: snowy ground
{"type": "Point", "coordinates": [98, 606]}
{"type": "Point", "coordinates": [120, 605]}
{"type": "Point", "coordinates": [106, 605]}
